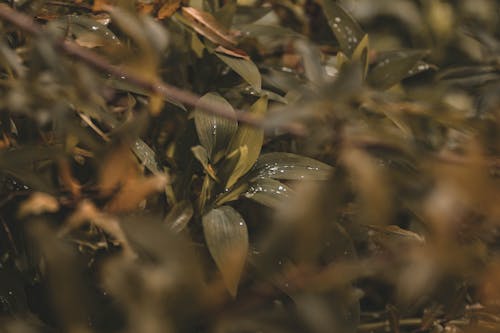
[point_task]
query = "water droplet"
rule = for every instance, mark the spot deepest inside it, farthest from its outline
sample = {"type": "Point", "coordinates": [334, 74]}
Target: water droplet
{"type": "Point", "coordinates": [337, 19]}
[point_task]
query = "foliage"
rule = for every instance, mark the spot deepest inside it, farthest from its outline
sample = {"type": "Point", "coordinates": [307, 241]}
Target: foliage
{"type": "Point", "coordinates": [249, 166]}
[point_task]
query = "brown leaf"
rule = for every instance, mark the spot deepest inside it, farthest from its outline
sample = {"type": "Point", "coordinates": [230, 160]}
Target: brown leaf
{"type": "Point", "coordinates": [206, 25]}
{"type": "Point", "coordinates": [168, 8]}
{"type": "Point", "coordinates": [67, 178]}
{"type": "Point", "coordinates": [237, 53]}
{"type": "Point", "coordinates": [119, 167]}
{"type": "Point", "coordinates": [134, 191]}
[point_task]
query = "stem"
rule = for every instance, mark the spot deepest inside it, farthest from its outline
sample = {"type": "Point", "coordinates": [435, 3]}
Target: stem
{"type": "Point", "coordinates": [100, 63]}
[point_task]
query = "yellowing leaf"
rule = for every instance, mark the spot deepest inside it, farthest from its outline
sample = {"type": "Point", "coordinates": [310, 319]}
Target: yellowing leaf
{"type": "Point", "coordinates": [226, 235]}
{"type": "Point", "coordinates": [241, 155]}
{"type": "Point", "coordinates": [251, 138]}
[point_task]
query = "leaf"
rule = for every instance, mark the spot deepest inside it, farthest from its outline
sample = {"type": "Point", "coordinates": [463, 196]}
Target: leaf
{"type": "Point", "coordinates": [245, 68]}
{"type": "Point", "coordinates": [237, 162]}
{"type": "Point", "coordinates": [290, 166]}
{"type": "Point", "coordinates": [168, 8]}
{"type": "Point", "coordinates": [200, 153]}
{"type": "Point", "coordinates": [207, 26]}
{"type": "Point", "coordinates": [267, 30]}
{"type": "Point", "coordinates": [38, 203]}
{"type": "Point", "coordinates": [214, 132]}
{"type": "Point", "coordinates": [226, 14]}
{"type": "Point", "coordinates": [268, 192]}
{"type": "Point", "coordinates": [361, 54]}
{"type": "Point", "coordinates": [252, 138]}
{"type": "Point", "coordinates": [179, 216]}
{"type": "Point", "coordinates": [86, 31]}
{"type": "Point", "coordinates": [344, 27]}
{"type": "Point", "coordinates": [236, 53]}
{"type": "Point", "coordinates": [134, 191]}
{"type": "Point", "coordinates": [393, 67]}
{"type": "Point", "coordinates": [226, 235]}
{"type": "Point", "coordinates": [146, 155]}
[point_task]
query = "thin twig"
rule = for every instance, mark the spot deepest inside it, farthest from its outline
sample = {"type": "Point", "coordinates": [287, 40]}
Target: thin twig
{"type": "Point", "coordinates": [100, 63]}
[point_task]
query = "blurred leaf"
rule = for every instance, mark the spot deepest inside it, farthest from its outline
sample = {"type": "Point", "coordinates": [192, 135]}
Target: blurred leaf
{"type": "Point", "coordinates": [168, 8]}
{"type": "Point", "coordinates": [227, 240]}
{"type": "Point", "coordinates": [226, 14]}
{"type": "Point", "coordinates": [179, 216]}
{"type": "Point", "coordinates": [214, 132]}
{"type": "Point", "coordinates": [245, 68]}
{"type": "Point", "coordinates": [38, 203]}
{"type": "Point", "coordinates": [290, 166]}
{"type": "Point", "coordinates": [347, 31]}
{"type": "Point", "coordinates": [86, 31]}
{"type": "Point", "coordinates": [134, 191]}
{"type": "Point", "coordinates": [249, 14]}
{"type": "Point", "coordinates": [361, 54]}
{"type": "Point", "coordinates": [268, 192]}
{"type": "Point", "coordinates": [394, 66]}
{"type": "Point", "coordinates": [267, 30]}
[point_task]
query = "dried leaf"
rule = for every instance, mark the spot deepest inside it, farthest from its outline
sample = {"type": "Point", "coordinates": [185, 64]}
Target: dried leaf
{"type": "Point", "coordinates": [227, 240]}
{"type": "Point", "coordinates": [168, 8]}
{"type": "Point", "coordinates": [38, 203]}
{"type": "Point", "coordinates": [134, 191]}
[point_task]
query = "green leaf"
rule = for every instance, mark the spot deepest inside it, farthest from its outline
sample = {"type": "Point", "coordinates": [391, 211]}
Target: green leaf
{"type": "Point", "coordinates": [179, 216]}
{"type": "Point", "coordinates": [290, 166]}
{"type": "Point", "coordinates": [250, 137]}
{"type": "Point", "coordinates": [245, 68]}
{"type": "Point", "coordinates": [394, 66]}
{"type": "Point", "coordinates": [268, 192]}
{"type": "Point", "coordinates": [214, 132]}
{"type": "Point", "coordinates": [226, 235]}
{"type": "Point", "coordinates": [200, 153]}
{"type": "Point", "coordinates": [347, 31]}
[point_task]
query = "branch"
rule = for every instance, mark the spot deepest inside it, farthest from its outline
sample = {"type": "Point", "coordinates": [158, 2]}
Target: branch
{"type": "Point", "coordinates": [100, 63]}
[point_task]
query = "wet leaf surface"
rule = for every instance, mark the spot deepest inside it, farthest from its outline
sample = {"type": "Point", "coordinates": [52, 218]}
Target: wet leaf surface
{"type": "Point", "coordinates": [226, 235]}
{"type": "Point", "coordinates": [214, 132]}
{"type": "Point", "coordinates": [290, 166]}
